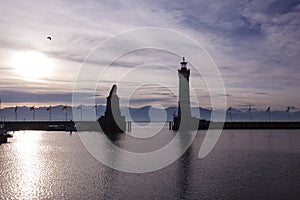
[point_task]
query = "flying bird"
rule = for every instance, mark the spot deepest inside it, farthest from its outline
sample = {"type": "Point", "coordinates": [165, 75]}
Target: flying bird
{"type": "Point", "coordinates": [49, 38]}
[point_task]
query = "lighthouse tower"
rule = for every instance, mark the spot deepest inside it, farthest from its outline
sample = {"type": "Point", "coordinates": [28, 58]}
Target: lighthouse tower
{"type": "Point", "coordinates": [184, 120]}
{"type": "Point", "coordinates": [184, 107]}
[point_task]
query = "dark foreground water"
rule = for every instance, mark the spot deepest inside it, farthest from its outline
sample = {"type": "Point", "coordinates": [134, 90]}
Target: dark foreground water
{"type": "Point", "coordinates": [245, 164]}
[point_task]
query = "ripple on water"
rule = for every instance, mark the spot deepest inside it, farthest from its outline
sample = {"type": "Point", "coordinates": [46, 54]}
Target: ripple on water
{"type": "Point", "coordinates": [244, 165]}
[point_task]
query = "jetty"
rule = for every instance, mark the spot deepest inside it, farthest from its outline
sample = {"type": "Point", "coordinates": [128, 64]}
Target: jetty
{"type": "Point", "coordinates": [71, 126]}
{"type": "Point", "coordinates": [204, 125]}
{"type": "Point", "coordinates": [40, 125]}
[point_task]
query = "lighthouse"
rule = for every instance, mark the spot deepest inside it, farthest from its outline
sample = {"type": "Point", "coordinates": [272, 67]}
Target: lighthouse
{"type": "Point", "coordinates": [184, 105]}
{"type": "Point", "coordinates": [184, 120]}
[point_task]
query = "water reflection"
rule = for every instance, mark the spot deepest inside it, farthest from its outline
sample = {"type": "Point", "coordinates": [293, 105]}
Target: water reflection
{"type": "Point", "coordinates": [109, 176]}
{"type": "Point", "coordinates": [184, 174]}
{"type": "Point", "coordinates": [28, 172]}
{"type": "Point", "coordinates": [184, 165]}
{"type": "Point", "coordinates": [53, 165]}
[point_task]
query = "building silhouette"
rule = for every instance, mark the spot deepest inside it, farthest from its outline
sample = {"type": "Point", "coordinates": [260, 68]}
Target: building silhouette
{"type": "Point", "coordinates": [112, 121]}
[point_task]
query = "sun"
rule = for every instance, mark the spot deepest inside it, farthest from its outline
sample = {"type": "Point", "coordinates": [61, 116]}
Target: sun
{"type": "Point", "coordinates": [32, 65]}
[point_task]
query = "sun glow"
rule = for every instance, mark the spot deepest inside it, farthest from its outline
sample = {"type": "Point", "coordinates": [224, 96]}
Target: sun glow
{"type": "Point", "coordinates": [32, 65]}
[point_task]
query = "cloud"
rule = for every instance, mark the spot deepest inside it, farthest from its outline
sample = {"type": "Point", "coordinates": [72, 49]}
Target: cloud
{"type": "Point", "coordinates": [28, 97]}
{"type": "Point", "coordinates": [254, 43]}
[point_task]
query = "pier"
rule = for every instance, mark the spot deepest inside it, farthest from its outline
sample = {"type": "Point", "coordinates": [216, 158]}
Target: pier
{"type": "Point", "coordinates": [40, 125]}
{"type": "Point", "coordinates": [204, 125]}
{"type": "Point", "coordinates": [70, 126]}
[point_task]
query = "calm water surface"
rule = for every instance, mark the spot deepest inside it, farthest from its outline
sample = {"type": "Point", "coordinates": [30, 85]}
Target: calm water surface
{"type": "Point", "coordinates": [245, 164]}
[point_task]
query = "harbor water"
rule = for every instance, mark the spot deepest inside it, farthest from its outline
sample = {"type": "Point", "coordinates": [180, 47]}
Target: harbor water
{"type": "Point", "coordinates": [244, 164]}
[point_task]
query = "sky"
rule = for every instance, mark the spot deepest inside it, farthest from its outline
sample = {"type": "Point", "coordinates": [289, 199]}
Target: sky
{"type": "Point", "coordinates": [255, 45]}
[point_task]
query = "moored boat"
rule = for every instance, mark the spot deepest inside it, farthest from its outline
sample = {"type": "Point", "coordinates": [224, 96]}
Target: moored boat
{"type": "Point", "coordinates": [4, 135]}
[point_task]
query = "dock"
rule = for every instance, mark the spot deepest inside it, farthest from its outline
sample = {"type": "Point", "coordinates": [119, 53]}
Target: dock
{"type": "Point", "coordinates": [70, 126]}
{"type": "Point", "coordinates": [39, 125]}
{"type": "Point", "coordinates": [204, 125]}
